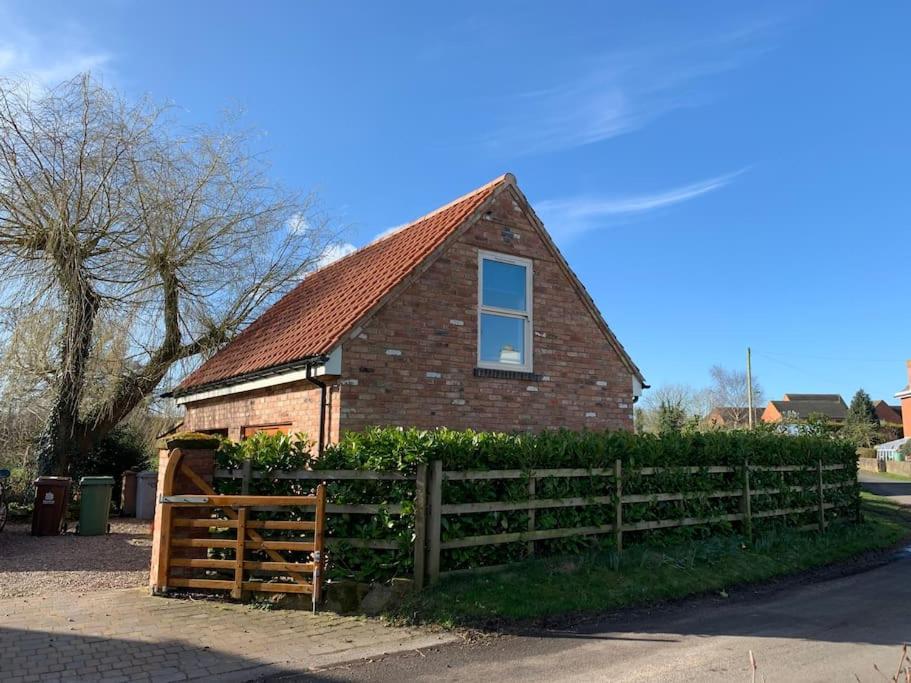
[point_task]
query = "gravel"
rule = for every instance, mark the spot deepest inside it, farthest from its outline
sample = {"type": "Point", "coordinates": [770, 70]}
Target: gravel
{"type": "Point", "coordinates": [41, 565]}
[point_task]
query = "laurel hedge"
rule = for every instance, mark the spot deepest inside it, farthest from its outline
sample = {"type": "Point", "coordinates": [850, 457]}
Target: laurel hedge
{"type": "Point", "coordinates": [401, 450]}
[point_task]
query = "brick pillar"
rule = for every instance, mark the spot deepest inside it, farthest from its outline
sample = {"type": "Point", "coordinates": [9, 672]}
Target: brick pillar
{"type": "Point", "coordinates": [201, 462]}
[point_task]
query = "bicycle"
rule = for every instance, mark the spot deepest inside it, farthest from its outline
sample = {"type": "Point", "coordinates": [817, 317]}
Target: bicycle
{"type": "Point", "coordinates": [4, 504]}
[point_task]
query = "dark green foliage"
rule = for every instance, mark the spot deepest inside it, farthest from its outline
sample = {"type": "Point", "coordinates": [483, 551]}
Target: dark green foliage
{"type": "Point", "coordinates": [905, 450]}
{"type": "Point", "coordinates": [121, 449]}
{"type": "Point", "coordinates": [671, 418]}
{"type": "Point", "coordinates": [861, 424]}
{"type": "Point", "coordinates": [861, 410]}
{"type": "Point", "coordinates": [401, 450]}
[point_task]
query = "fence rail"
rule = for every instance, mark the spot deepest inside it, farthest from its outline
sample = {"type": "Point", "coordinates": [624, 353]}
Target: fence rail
{"type": "Point", "coordinates": [429, 508]}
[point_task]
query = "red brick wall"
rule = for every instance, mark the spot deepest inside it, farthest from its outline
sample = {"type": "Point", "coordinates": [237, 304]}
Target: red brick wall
{"type": "Point", "coordinates": [906, 407]}
{"type": "Point", "coordinates": [771, 414]}
{"type": "Point", "coordinates": [412, 365]}
{"type": "Point", "coordinates": [295, 403]}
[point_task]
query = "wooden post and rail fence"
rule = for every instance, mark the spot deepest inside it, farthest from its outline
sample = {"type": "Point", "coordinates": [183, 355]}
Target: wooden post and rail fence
{"type": "Point", "coordinates": [428, 543]}
{"type": "Point", "coordinates": [199, 530]}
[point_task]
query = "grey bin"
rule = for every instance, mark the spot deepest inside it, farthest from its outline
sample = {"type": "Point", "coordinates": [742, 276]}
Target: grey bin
{"type": "Point", "coordinates": [146, 487]}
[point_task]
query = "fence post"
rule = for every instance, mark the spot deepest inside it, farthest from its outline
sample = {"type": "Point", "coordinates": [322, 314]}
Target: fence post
{"type": "Point", "coordinates": [238, 591]}
{"type": "Point", "coordinates": [247, 474]}
{"type": "Point", "coordinates": [746, 506]}
{"type": "Point", "coordinates": [420, 524]}
{"type": "Point", "coordinates": [618, 509]}
{"type": "Point", "coordinates": [319, 550]}
{"type": "Point", "coordinates": [161, 538]}
{"type": "Point", "coordinates": [434, 522]}
{"type": "Point", "coordinates": [822, 499]}
{"type": "Point", "coordinates": [530, 547]}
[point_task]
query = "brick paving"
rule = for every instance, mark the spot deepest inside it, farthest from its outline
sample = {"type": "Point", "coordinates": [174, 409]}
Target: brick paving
{"type": "Point", "coordinates": [127, 635]}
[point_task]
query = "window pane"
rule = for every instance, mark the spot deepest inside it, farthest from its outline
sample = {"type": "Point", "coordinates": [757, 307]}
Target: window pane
{"type": "Point", "coordinates": [504, 285]}
{"type": "Point", "coordinates": [502, 339]}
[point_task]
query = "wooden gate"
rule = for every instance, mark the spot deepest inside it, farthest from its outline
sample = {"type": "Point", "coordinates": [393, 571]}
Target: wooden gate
{"type": "Point", "coordinates": [215, 535]}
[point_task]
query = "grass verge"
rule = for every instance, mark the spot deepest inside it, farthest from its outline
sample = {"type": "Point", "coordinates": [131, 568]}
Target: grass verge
{"type": "Point", "coordinates": [892, 475]}
{"type": "Point", "coordinates": [540, 589]}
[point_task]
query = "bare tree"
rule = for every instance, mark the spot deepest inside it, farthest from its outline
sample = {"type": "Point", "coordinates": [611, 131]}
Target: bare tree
{"type": "Point", "coordinates": [729, 389]}
{"type": "Point", "coordinates": [690, 402]}
{"type": "Point", "coordinates": [110, 211]}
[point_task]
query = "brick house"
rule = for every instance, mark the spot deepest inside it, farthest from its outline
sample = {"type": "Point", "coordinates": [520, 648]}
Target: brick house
{"type": "Point", "coordinates": [468, 317]}
{"type": "Point", "coordinates": [734, 417]}
{"type": "Point", "coordinates": [886, 414]}
{"type": "Point", "coordinates": [905, 397]}
{"type": "Point", "coordinates": [802, 406]}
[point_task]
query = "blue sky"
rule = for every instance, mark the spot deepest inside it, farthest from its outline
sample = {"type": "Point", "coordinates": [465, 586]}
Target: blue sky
{"type": "Point", "coordinates": [718, 174]}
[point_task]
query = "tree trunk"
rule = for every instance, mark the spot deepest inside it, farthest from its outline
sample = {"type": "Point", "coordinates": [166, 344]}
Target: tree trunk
{"type": "Point", "coordinates": [58, 442]}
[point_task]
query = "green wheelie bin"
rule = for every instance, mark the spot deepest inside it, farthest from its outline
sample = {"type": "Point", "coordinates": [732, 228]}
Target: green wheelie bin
{"type": "Point", "coordinates": [95, 505]}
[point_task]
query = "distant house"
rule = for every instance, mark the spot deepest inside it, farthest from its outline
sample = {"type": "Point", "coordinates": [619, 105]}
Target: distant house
{"type": "Point", "coordinates": [467, 317]}
{"type": "Point", "coordinates": [733, 416]}
{"type": "Point", "coordinates": [905, 397]}
{"type": "Point", "coordinates": [887, 414]}
{"type": "Point", "coordinates": [802, 406]}
{"type": "Point", "coordinates": [893, 415]}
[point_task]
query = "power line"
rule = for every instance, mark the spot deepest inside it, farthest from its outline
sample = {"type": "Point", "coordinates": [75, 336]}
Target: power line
{"type": "Point", "coordinates": [833, 358]}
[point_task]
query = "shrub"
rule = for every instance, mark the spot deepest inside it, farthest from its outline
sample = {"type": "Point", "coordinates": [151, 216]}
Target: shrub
{"type": "Point", "coordinates": [905, 449]}
{"type": "Point", "coordinates": [19, 488]}
{"type": "Point", "coordinates": [122, 449]}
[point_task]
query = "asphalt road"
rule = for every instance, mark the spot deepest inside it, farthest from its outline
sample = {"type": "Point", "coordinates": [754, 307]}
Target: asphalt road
{"type": "Point", "coordinates": [835, 630]}
{"type": "Point", "coordinates": [896, 489]}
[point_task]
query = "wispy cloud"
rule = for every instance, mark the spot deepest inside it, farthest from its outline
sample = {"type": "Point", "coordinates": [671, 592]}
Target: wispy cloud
{"type": "Point", "coordinates": [44, 58]}
{"type": "Point", "coordinates": [297, 224]}
{"type": "Point", "coordinates": [569, 217]}
{"type": "Point", "coordinates": [621, 92]}
{"type": "Point", "coordinates": [383, 234]}
{"type": "Point", "coordinates": [334, 252]}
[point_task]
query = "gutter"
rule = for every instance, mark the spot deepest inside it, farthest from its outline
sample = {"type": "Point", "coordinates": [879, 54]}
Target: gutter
{"type": "Point", "coordinates": [320, 445]}
{"type": "Point", "coordinates": [307, 364]}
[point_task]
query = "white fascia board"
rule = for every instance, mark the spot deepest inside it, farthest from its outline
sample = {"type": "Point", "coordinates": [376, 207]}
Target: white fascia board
{"type": "Point", "coordinates": [904, 394]}
{"type": "Point", "coordinates": [333, 366]}
{"type": "Point", "coordinates": [637, 387]}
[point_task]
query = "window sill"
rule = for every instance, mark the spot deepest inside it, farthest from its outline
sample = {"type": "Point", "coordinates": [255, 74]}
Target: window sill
{"type": "Point", "coordinates": [507, 374]}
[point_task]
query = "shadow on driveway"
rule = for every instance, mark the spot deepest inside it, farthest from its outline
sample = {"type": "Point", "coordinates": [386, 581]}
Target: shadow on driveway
{"type": "Point", "coordinates": [74, 657]}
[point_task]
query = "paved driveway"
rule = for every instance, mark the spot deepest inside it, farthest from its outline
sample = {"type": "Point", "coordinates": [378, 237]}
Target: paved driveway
{"type": "Point", "coordinates": [127, 635]}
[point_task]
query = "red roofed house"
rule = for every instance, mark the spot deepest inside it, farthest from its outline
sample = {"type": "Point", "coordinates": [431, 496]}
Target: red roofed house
{"type": "Point", "coordinates": [905, 397]}
{"type": "Point", "coordinates": [886, 414]}
{"type": "Point", "coordinates": [469, 317]}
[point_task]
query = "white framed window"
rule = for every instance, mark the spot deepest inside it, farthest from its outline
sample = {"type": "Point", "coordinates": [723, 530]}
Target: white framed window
{"type": "Point", "coordinates": [504, 312]}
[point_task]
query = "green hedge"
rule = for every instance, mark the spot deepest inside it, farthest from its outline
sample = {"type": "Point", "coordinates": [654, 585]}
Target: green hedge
{"type": "Point", "coordinates": [401, 450]}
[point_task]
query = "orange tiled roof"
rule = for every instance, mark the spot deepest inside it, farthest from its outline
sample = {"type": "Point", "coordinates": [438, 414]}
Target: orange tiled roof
{"type": "Point", "coordinates": [313, 317]}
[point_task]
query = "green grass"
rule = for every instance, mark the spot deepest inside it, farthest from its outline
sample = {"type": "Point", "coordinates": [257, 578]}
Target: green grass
{"type": "Point", "coordinates": [891, 475]}
{"type": "Point", "coordinates": [556, 586]}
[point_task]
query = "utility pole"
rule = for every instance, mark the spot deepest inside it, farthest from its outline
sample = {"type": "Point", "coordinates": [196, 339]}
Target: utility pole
{"type": "Point", "coordinates": [749, 388]}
